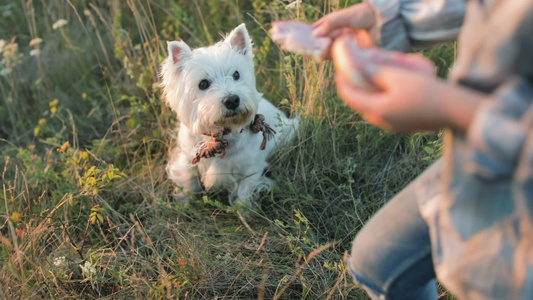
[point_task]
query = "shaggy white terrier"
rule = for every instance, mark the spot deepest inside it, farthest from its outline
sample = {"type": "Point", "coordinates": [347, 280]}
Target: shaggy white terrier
{"type": "Point", "coordinates": [226, 130]}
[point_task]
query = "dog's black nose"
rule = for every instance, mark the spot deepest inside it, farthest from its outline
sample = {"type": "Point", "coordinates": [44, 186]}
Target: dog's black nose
{"type": "Point", "coordinates": [231, 102]}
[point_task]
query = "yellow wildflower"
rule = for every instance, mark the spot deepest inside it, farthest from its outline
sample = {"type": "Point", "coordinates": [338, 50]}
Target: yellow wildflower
{"type": "Point", "coordinates": [84, 155]}
{"type": "Point", "coordinates": [64, 147]}
{"type": "Point", "coordinates": [54, 103]}
{"type": "Point", "coordinates": [15, 217]}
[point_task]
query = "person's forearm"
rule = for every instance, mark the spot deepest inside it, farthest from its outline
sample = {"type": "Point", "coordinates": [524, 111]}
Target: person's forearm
{"type": "Point", "coordinates": [459, 104]}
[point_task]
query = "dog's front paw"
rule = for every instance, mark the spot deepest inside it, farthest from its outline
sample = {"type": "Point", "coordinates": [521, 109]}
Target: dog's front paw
{"type": "Point", "coordinates": [250, 189]}
{"type": "Point", "coordinates": [181, 196]}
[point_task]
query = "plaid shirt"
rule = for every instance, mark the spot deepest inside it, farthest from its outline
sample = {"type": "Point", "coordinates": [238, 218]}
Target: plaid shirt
{"type": "Point", "coordinates": [479, 208]}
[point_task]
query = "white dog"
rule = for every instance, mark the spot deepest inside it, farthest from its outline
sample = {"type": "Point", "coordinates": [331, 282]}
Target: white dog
{"type": "Point", "coordinates": [224, 136]}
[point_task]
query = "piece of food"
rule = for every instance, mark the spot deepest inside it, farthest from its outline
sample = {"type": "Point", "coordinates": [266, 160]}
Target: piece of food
{"type": "Point", "coordinates": [298, 37]}
{"type": "Point", "coordinates": [357, 63]}
{"type": "Point", "coordinates": [352, 51]}
{"type": "Point", "coordinates": [348, 60]}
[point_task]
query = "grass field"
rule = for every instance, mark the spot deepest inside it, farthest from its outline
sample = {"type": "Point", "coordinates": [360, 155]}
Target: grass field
{"type": "Point", "coordinates": [85, 204]}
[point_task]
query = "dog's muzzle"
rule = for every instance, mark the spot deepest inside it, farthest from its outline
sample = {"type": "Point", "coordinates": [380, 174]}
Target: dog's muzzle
{"type": "Point", "coordinates": [231, 102]}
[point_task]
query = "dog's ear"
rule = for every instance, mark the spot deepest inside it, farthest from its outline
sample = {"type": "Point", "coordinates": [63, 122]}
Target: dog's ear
{"type": "Point", "coordinates": [240, 40]}
{"type": "Point", "coordinates": [179, 51]}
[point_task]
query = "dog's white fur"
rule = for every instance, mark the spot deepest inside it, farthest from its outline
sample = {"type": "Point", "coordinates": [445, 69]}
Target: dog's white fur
{"type": "Point", "coordinates": [202, 112]}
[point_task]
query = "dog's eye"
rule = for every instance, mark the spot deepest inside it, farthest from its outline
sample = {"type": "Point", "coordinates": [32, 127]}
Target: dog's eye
{"type": "Point", "coordinates": [236, 75]}
{"type": "Point", "coordinates": [204, 84]}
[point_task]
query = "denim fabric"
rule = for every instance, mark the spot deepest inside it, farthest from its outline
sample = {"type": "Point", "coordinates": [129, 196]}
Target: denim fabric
{"type": "Point", "coordinates": [391, 257]}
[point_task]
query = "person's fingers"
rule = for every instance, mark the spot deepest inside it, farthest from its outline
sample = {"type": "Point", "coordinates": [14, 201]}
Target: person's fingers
{"type": "Point", "coordinates": [362, 16]}
{"type": "Point", "coordinates": [319, 21]}
{"type": "Point", "coordinates": [358, 16]}
{"type": "Point", "coordinates": [348, 59]}
{"type": "Point", "coordinates": [327, 24]}
{"type": "Point", "coordinates": [374, 66]}
{"type": "Point", "coordinates": [363, 37]}
{"type": "Point", "coordinates": [417, 62]}
{"type": "Point", "coordinates": [385, 77]}
{"type": "Point", "coordinates": [333, 35]}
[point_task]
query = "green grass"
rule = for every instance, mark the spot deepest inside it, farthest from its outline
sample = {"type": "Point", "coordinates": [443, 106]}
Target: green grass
{"type": "Point", "coordinates": [94, 218]}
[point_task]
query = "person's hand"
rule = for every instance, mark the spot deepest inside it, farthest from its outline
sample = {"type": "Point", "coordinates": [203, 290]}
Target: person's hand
{"type": "Point", "coordinates": [406, 100]}
{"type": "Point", "coordinates": [358, 16]}
{"type": "Point", "coordinates": [355, 19]}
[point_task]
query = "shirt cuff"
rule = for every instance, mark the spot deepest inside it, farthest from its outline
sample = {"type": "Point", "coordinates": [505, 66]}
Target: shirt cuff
{"type": "Point", "coordinates": [389, 30]}
{"type": "Point", "coordinates": [405, 24]}
{"type": "Point", "coordinates": [498, 131]}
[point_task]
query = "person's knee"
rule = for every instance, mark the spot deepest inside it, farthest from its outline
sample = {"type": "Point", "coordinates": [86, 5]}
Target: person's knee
{"type": "Point", "coordinates": [365, 268]}
{"type": "Point", "coordinates": [375, 266]}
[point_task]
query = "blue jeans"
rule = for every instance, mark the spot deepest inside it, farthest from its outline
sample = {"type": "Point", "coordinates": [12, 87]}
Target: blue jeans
{"type": "Point", "coordinates": [391, 256]}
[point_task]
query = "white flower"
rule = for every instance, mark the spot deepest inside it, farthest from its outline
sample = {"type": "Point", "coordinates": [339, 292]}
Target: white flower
{"type": "Point", "coordinates": [88, 269]}
{"type": "Point", "coordinates": [35, 42]}
{"type": "Point", "coordinates": [59, 23]}
{"type": "Point", "coordinates": [35, 52]}
{"type": "Point", "coordinates": [2, 44]}
{"type": "Point", "coordinates": [58, 261]}
{"type": "Point", "coordinates": [293, 4]}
